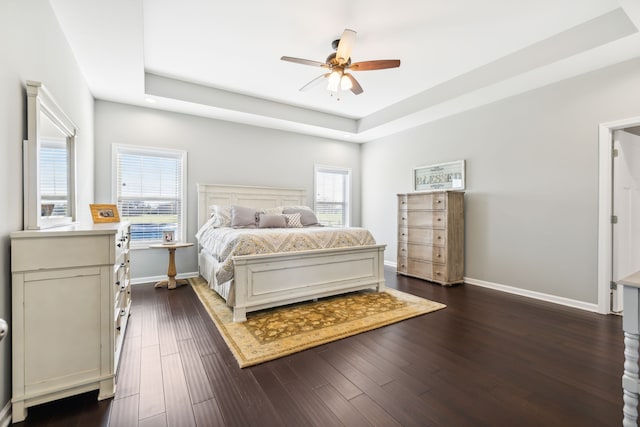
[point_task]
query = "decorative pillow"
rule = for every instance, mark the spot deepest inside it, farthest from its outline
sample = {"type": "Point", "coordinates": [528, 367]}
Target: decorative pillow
{"type": "Point", "coordinates": [306, 208]}
{"type": "Point", "coordinates": [307, 217]}
{"type": "Point", "coordinates": [271, 211]}
{"type": "Point", "coordinates": [272, 221]}
{"type": "Point", "coordinates": [242, 217]}
{"type": "Point", "coordinates": [222, 215]}
{"type": "Point", "coordinates": [293, 220]}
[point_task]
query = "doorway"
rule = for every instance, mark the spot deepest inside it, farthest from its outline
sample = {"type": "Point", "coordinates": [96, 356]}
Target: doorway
{"type": "Point", "coordinates": [619, 209]}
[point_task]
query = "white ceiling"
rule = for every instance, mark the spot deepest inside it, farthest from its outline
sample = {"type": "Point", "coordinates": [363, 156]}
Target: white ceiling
{"type": "Point", "coordinates": [221, 59]}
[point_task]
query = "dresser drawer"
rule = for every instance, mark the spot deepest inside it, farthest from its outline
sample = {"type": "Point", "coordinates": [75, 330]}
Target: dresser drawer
{"type": "Point", "coordinates": [434, 254]}
{"type": "Point", "coordinates": [119, 280]}
{"type": "Point", "coordinates": [433, 219]}
{"type": "Point", "coordinates": [426, 270]}
{"type": "Point", "coordinates": [401, 267]}
{"type": "Point", "coordinates": [427, 201]}
{"type": "Point", "coordinates": [428, 236]}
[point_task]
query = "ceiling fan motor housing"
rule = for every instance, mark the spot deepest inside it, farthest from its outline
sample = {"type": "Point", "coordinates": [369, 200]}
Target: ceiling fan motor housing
{"type": "Point", "coordinates": [332, 61]}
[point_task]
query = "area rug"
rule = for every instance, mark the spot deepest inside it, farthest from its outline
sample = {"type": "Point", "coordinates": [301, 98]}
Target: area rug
{"type": "Point", "coordinates": [277, 332]}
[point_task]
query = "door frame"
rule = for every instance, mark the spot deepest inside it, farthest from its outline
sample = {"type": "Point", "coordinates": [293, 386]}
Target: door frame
{"type": "Point", "coordinates": [605, 197]}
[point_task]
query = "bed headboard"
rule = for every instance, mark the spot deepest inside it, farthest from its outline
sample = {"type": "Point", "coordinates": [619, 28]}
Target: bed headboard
{"type": "Point", "coordinates": [243, 195]}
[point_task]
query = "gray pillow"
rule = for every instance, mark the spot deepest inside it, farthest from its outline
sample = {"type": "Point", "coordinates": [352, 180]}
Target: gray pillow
{"type": "Point", "coordinates": [242, 217]}
{"type": "Point", "coordinates": [307, 217]}
{"type": "Point", "coordinates": [272, 221]}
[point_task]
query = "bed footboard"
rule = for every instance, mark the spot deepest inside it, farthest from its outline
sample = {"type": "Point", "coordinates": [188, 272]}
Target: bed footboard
{"type": "Point", "coordinates": [270, 280]}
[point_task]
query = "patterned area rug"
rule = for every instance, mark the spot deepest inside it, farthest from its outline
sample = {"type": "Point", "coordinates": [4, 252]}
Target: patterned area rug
{"type": "Point", "coordinates": [270, 334]}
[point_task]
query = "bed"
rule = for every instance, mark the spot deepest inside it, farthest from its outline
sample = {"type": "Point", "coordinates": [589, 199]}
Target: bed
{"type": "Point", "coordinates": [266, 280]}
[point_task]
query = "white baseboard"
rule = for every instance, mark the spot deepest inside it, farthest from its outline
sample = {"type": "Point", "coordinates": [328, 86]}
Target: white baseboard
{"type": "Point", "coordinates": [149, 279]}
{"type": "Point", "coordinates": [5, 415]}
{"type": "Point", "coordinates": [524, 292]}
{"type": "Point", "coordinates": [535, 295]}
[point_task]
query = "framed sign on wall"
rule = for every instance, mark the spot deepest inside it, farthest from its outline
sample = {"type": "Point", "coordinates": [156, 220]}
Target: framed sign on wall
{"type": "Point", "coordinates": [442, 176]}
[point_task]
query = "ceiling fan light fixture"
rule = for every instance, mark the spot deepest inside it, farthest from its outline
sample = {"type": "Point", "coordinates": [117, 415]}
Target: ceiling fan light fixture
{"type": "Point", "coordinates": [334, 81]}
{"type": "Point", "coordinates": [340, 61]}
{"type": "Point", "coordinates": [345, 83]}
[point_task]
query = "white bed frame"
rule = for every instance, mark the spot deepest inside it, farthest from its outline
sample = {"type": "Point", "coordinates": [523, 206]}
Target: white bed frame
{"type": "Point", "coordinates": [264, 281]}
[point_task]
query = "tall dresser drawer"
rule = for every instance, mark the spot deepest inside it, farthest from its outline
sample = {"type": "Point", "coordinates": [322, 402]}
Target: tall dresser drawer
{"type": "Point", "coordinates": [427, 270]}
{"type": "Point", "coordinates": [422, 252]}
{"type": "Point", "coordinates": [434, 219]}
{"type": "Point", "coordinates": [428, 236]}
{"type": "Point", "coordinates": [433, 201]}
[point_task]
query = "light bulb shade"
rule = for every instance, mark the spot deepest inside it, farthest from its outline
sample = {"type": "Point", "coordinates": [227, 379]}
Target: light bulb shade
{"type": "Point", "coordinates": [345, 83]}
{"type": "Point", "coordinates": [334, 81]}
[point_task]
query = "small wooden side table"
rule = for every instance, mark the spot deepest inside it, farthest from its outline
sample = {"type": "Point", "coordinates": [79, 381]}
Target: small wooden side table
{"type": "Point", "coordinates": [171, 281]}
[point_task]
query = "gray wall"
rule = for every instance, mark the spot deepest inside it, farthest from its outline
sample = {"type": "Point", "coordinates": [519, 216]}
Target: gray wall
{"type": "Point", "coordinates": [217, 152]}
{"type": "Point", "coordinates": [532, 180]}
{"type": "Point", "coordinates": [32, 47]}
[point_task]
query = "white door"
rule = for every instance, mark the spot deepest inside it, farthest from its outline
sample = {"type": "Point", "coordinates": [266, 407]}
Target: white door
{"type": "Point", "coordinates": [626, 207]}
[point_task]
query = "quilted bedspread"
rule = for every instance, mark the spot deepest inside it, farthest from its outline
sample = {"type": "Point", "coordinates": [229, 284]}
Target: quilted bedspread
{"type": "Point", "coordinates": [225, 243]}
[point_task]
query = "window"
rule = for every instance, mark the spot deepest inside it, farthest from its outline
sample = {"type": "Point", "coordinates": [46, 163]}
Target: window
{"type": "Point", "coordinates": [150, 192]}
{"type": "Point", "coordinates": [54, 177]}
{"type": "Point", "coordinates": [332, 188]}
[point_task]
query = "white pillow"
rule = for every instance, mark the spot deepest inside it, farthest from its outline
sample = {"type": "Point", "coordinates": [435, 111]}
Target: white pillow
{"type": "Point", "coordinates": [222, 215]}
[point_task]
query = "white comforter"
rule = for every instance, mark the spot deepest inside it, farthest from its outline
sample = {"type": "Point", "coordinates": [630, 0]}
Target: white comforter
{"type": "Point", "coordinates": [225, 243]}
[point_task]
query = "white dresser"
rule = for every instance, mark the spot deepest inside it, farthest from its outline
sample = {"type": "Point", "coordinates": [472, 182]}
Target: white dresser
{"type": "Point", "coordinates": [431, 236]}
{"type": "Point", "coordinates": [631, 328]}
{"type": "Point", "coordinates": [71, 298]}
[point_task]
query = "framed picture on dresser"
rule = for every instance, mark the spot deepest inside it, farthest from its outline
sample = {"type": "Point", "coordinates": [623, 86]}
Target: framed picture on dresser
{"type": "Point", "coordinates": [104, 213]}
{"type": "Point", "coordinates": [439, 177]}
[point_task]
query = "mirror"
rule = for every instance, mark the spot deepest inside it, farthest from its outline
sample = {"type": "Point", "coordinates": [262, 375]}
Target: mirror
{"type": "Point", "coordinates": [49, 162]}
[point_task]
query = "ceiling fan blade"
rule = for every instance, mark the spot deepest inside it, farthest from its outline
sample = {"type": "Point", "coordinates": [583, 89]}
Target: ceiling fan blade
{"type": "Point", "coordinates": [347, 40]}
{"type": "Point", "coordinates": [304, 61]}
{"type": "Point", "coordinates": [355, 86]}
{"type": "Point", "coordinates": [314, 82]}
{"type": "Point", "coordinates": [375, 65]}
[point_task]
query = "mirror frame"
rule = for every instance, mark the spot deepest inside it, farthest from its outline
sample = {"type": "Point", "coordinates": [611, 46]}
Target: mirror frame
{"type": "Point", "coordinates": [39, 101]}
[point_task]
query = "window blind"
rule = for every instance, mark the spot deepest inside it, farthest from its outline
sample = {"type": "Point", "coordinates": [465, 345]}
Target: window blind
{"type": "Point", "coordinates": [150, 192]}
{"type": "Point", "coordinates": [332, 195]}
{"type": "Point", "coordinates": [54, 177]}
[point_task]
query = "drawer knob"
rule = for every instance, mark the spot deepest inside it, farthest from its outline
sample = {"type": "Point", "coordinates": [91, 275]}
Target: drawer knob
{"type": "Point", "coordinates": [118, 283]}
{"type": "Point", "coordinates": [122, 287]}
{"type": "Point", "coordinates": [403, 218]}
{"type": "Point", "coordinates": [123, 312]}
{"type": "Point", "coordinates": [402, 265]}
{"type": "Point", "coordinates": [437, 273]}
{"type": "Point", "coordinates": [118, 329]}
{"type": "Point", "coordinates": [439, 255]}
{"type": "Point", "coordinates": [439, 219]}
{"type": "Point", "coordinates": [403, 234]}
{"type": "Point", "coordinates": [439, 237]}
{"type": "Point", "coordinates": [402, 249]}
{"type": "Point", "coordinates": [119, 245]}
{"type": "Point", "coordinates": [439, 201]}
{"type": "Point", "coordinates": [122, 264]}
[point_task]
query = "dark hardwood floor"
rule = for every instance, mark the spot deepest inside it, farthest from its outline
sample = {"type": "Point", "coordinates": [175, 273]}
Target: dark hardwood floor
{"type": "Point", "coordinates": [488, 359]}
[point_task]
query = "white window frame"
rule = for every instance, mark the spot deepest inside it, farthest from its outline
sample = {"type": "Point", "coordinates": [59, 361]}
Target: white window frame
{"type": "Point", "coordinates": [181, 155]}
{"type": "Point", "coordinates": [347, 191]}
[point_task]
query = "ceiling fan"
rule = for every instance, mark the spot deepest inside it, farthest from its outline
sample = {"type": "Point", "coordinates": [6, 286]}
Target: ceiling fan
{"type": "Point", "coordinates": [339, 62]}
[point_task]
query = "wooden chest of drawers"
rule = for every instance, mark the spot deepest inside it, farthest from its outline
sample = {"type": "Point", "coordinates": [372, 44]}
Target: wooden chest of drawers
{"type": "Point", "coordinates": [71, 298]}
{"type": "Point", "coordinates": [431, 236]}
